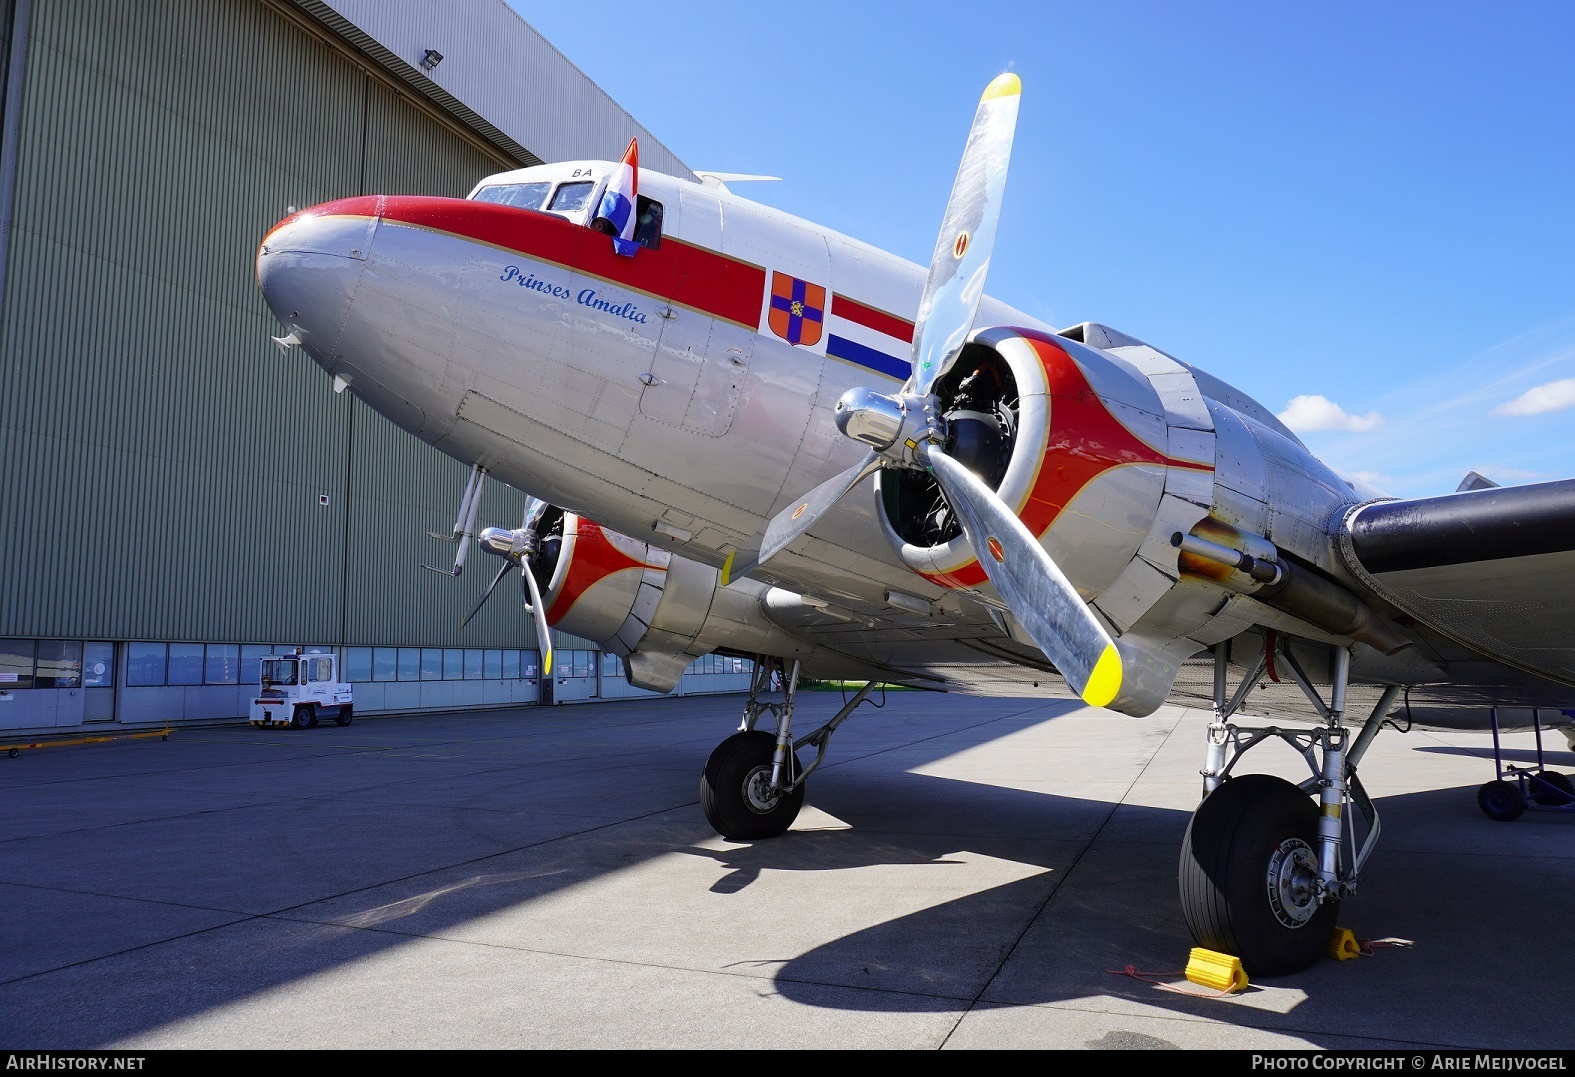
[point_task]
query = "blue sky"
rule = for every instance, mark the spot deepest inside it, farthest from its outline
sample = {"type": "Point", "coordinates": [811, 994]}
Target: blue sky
{"type": "Point", "coordinates": [1369, 204]}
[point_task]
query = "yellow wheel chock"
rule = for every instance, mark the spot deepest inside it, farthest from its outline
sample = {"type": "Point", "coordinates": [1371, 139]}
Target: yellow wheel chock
{"type": "Point", "coordinates": [1222, 972]}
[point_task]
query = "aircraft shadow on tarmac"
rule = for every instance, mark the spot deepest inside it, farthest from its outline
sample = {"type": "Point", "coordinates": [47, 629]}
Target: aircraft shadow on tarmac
{"type": "Point", "coordinates": [1091, 889]}
{"type": "Point", "coordinates": [1459, 930]}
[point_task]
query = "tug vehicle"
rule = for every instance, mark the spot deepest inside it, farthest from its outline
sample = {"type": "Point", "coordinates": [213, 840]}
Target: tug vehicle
{"type": "Point", "coordinates": [297, 688]}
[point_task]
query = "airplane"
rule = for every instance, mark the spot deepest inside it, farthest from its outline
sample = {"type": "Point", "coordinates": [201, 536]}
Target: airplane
{"type": "Point", "coordinates": [689, 385]}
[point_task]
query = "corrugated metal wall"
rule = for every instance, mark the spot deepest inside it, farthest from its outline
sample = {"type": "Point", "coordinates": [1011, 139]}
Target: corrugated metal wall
{"type": "Point", "coordinates": [161, 461]}
{"type": "Point", "coordinates": [495, 61]}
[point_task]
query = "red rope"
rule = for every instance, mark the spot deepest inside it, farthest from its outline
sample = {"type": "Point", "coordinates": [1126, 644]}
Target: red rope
{"type": "Point", "coordinates": [1151, 978]}
{"type": "Point", "coordinates": [1368, 947]}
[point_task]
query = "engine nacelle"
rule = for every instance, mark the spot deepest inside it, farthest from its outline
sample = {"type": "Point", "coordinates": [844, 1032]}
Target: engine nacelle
{"type": "Point", "coordinates": [1110, 451]}
{"type": "Point", "coordinates": [1080, 450]}
{"type": "Point", "coordinates": [656, 611]}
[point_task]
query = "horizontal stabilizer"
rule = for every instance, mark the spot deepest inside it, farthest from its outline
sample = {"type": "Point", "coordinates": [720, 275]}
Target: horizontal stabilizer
{"type": "Point", "coordinates": [1475, 481]}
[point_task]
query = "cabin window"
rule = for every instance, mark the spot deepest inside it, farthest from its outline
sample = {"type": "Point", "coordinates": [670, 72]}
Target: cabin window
{"type": "Point", "coordinates": [518, 195]}
{"type": "Point", "coordinates": [648, 223]}
{"type": "Point", "coordinates": [571, 197]}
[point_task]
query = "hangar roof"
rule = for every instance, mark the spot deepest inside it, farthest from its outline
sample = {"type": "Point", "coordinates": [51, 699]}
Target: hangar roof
{"type": "Point", "coordinates": [497, 75]}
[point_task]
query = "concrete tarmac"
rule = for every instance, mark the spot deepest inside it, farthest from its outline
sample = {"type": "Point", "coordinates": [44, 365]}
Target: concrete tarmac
{"type": "Point", "coordinates": [966, 873]}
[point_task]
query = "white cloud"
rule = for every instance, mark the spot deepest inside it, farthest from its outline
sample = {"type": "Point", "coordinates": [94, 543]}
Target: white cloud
{"type": "Point", "coordinates": [1306, 413]}
{"type": "Point", "coordinates": [1553, 396]}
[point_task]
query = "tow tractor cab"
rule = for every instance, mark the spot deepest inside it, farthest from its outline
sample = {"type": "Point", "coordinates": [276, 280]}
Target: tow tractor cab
{"type": "Point", "coordinates": [297, 688]}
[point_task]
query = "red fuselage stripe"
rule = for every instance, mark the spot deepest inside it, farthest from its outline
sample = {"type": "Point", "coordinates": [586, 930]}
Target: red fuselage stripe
{"type": "Point", "coordinates": [690, 276]}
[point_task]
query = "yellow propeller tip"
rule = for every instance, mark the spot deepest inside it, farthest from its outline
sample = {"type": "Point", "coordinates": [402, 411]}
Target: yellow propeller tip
{"type": "Point", "coordinates": [1104, 683]}
{"type": "Point", "coordinates": [1007, 85]}
{"type": "Point", "coordinates": [727, 568]}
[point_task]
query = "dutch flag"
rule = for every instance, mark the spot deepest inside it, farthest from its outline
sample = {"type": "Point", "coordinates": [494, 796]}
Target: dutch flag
{"type": "Point", "coordinates": [616, 214]}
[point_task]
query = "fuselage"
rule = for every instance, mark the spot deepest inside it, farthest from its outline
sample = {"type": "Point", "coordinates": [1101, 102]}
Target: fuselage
{"type": "Point", "coordinates": [631, 390]}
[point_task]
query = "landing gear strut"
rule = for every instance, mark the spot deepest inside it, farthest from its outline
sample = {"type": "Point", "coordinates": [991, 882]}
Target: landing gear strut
{"type": "Point", "coordinates": [1264, 868]}
{"type": "Point", "coordinates": [753, 784]}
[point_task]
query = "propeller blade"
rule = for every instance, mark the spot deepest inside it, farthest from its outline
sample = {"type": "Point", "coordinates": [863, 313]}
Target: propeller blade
{"type": "Point", "coordinates": [799, 517]}
{"type": "Point", "coordinates": [535, 507]}
{"type": "Point", "coordinates": [962, 250]}
{"type": "Point", "coordinates": [1034, 587]}
{"type": "Point", "coordinates": [543, 630]}
{"type": "Point", "coordinates": [482, 601]}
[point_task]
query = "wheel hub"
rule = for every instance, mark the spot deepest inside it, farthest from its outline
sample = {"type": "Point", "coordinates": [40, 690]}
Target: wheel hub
{"type": "Point", "coordinates": [761, 796]}
{"type": "Point", "coordinates": [1293, 882]}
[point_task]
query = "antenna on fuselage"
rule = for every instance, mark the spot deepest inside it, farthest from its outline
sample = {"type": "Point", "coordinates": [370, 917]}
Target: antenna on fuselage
{"type": "Point", "coordinates": [720, 180]}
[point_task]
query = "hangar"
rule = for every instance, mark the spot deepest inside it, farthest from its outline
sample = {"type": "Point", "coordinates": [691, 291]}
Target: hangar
{"type": "Point", "coordinates": [180, 497]}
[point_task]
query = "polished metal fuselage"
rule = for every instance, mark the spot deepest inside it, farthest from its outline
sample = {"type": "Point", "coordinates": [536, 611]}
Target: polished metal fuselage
{"type": "Point", "coordinates": [656, 396]}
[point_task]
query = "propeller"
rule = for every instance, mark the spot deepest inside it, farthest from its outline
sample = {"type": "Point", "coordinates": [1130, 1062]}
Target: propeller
{"type": "Point", "coordinates": [517, 548]}
{"type": "Point", "coordinates": [907, 431]}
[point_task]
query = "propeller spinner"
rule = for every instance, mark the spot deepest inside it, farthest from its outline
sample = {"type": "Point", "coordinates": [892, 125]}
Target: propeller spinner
{"type": "Point", "coordinates": [518, 548]}
{"type": "Point", "coordinates": [907, 431]}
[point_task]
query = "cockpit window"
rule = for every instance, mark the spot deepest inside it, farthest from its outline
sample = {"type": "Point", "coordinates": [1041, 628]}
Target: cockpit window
{"type": "Point", "coordinates": [648, 227]}
{"type": "Point", "coordinates": [518, 195]}
{"type": "Point", "coordinates": [571, 197]}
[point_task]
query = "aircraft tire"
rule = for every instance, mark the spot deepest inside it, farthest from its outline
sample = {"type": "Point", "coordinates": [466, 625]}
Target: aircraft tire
{"type": "Point", "coordinates": [344, 717]}
{"type": "Point", "coordinates": [301, 718]}
{"type": "Point", "coordinates": [1247, 862]}
{"type": "Point", "coordinates": [1501, 801]}
{"type": "Point", "coordinates": [732, 793]}
{"type": "Point", "coordinates": [1562, 792]}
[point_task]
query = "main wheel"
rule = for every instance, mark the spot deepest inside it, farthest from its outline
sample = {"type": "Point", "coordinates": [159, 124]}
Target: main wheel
{"type": "Point", "coordinates": [736, 792]}
{"type": "Point", "coordinates": [344, 717]}
{"type": "Point", "coordinates": [1249, 876]}
{"type": "Point", "coordinates": [1555, 790]}
{"type": "Point", "coordinates": [301, 718]}
{"type": "Point", "coordinates": [1501, 800]}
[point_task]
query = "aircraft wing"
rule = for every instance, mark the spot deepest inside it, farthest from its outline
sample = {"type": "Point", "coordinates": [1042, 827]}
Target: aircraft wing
{"type": "Point", "coordinates": [1482, 574]}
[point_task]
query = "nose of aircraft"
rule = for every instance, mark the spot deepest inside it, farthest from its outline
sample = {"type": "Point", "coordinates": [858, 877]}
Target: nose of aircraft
{"type": "Point", "coordinates": [309, 266]}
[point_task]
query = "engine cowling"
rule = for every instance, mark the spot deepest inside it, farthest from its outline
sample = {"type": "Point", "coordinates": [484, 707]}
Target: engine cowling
{"type": "Point", "coordinates": [656, 611]}
{"type": "Point", "coordinates": [1079, 450]}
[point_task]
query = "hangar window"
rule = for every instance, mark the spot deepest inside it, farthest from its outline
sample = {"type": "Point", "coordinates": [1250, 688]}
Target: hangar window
{"type": "Point", "coordinates": [185, 664]}
{"type": "Point", "coordinates": [16, 663]}
{"type": "Point", "coordinates": [63, 663]}
{"type": "Point", "coordinates": [98, 665]}
{"type": "Point", "coordinates": [251, 658]}
{"type": "Point", "coordinates": [145, 663]}
{"type": "Point", "coordinates": [59, 664]}
{"type": "Point", "coordinates": [518, 195]}
{"type": "Point", "coordinates": [410, 663]}
{"type": "Point", "coordinates": [223, 663]}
